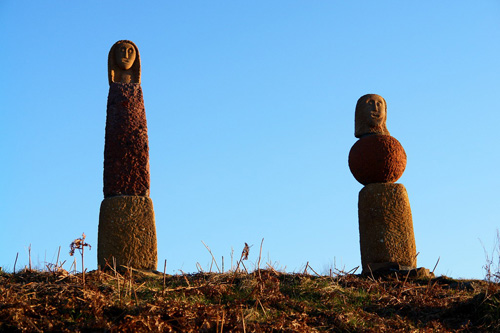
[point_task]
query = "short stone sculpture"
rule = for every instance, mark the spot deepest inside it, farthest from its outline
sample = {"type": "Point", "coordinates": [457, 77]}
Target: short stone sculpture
{"type": "Point", "coordinates": [377, 160]}
{"type": "Point", "coordinates": [124, 63]}
{"type": "Point", "coordinates": [127, 230]}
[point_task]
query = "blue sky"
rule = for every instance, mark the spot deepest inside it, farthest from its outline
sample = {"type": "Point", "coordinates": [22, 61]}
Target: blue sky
{"type": "Point", "coordinates": [250, 109]}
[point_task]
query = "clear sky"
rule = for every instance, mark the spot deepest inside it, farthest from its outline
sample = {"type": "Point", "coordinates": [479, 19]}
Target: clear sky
{"type": "Point", "coordinates": [250, 109]}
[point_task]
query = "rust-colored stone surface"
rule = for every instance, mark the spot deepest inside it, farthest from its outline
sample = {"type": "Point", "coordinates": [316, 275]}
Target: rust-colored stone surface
{"type": "Point", "coordinates": [126, 150]}
{"type": "Point", "coordinates": [377, 159]}
{"type": "Point", "coordinates": [127, 232]}
{"type": "Point", "coordinates": [386, 226]}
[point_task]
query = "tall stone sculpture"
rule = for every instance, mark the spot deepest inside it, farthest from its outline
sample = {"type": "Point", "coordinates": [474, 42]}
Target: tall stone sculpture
{"type": "Point", "coordinates": [127, 231]}
{"type": "Point", "coordinates": [377, 160]}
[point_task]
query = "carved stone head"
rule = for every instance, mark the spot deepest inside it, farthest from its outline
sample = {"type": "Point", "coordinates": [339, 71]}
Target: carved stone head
{"type": "Point", "coordinates": [124, 63]}
{"type": "Point", "coordinates": [370, 116]}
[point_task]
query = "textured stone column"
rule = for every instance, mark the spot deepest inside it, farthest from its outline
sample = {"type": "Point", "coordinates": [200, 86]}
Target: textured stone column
{"type": "Point", "coordinates": [126, 149]}
{"type": "Point", "coordinates": [127, 230]}
{"type": "Point", "coordinates": [386, 226]}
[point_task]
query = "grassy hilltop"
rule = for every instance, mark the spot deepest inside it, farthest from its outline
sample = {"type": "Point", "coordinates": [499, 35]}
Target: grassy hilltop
{"type": "Point", "coordinates": [260, 301]}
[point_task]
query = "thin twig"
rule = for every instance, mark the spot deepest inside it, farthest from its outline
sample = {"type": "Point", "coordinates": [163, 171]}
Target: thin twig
{"type": "Point", "coordinates": [260, 255]}
{"type": "Point", "coordinates": [222, 322]}
{"type": "Point", "coordinates": [314, 271]}
{"type": "Point", "coordinates": [117, 280]}
{"type": "Point", "coordinates": [129, 275]}
{"type": "Point", "coordinates": [213, 258]}
{"type": "Point", "coordinates": [243, 321]}
{"type": "Point", "coordinates": [371, 273]}
{"type": "Point", "coordinates": [406, 278]}
{"type": "Point", "coordinates": [185, 277]}
{"type": "Point", "coordinates": [272, 268]}
{"type": "Point", "coordinates": [232, 252]}
{"type": "Point", "coordinates": [73, 264]}
{"type": "Point", "coordinates": [134, 289]}
{"type": "Point", "coordinates": [15, 262]}
{"type": "Point", "coordinates": [29, 255]}
{"type": "Point", "coordinates": [246, 270]}
{"type": "Point", "coordinates": [83, 268]}
{"type": "Point", "coordinates": [262, 307]}
{"type": "Point", "coordinates": [184, 288]}
{"type": "Point", "coordinates": [436, 265]}
{"type": "Point", "coordinates": [237, 266]}
{"type": "Point", "coordinates": [164, 269]}
{"type": "Point", "coordinates": [352, 271]}
{"type": "Point", "coordinates": [58, 252]}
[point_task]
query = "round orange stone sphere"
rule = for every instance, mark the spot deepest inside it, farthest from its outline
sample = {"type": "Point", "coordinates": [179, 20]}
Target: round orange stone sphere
{"type": "Point", "coordinates": [377, 159]}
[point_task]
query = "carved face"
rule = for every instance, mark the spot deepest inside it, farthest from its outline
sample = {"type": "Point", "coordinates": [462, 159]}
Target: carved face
{"type": "Point", "coordinates": [374, 109]}
{"type": "Point", "coordinates": [125, 55]}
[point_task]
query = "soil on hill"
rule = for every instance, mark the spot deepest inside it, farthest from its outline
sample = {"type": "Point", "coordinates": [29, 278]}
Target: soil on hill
{"type": "Point", "coordinates": [261, 301]}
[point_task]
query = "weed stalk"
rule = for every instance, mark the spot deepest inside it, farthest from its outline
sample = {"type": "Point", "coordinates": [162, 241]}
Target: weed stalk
{"type": "Point", "coordinates": [79, 244]}
{"type": "Point", "coordinates": [29, 256]}
{"type": "Point", "coordinates": [15, 262]}
{"type": "Point", "coordinates": [164, 270]}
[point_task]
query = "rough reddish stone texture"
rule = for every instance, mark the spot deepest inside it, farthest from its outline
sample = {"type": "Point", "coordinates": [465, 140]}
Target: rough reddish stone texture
{"type": "Point", "coordinates": [126, 150]}
{"type": "Point", "coordinates": [386, 226]}
{"type": "Point", "coordinates": [127, 232]}
{"type": "Point", "coordinates": [377, 159]}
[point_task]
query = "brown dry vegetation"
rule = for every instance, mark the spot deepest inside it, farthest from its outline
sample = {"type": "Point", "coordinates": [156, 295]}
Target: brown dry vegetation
{"type": "Point", "coordinates": [261, 301]}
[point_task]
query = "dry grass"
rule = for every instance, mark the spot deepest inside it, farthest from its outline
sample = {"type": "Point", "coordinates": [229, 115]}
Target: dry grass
{"type": "Point", "coordinates": [264, 300]}
{"type": "Point", "coordinates": [492, 265]}
{"type": "Point", "coordinates": [261, 301]}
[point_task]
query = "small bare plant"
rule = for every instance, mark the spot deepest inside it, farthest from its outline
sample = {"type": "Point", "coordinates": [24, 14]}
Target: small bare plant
{"type": "Point", "coordinates": [79, 244]}
{"type": "Point", "coordinates": [56, 268]}
{"type": "Point", "coordinates": [245, 252]}
{"type": "Point", "coordinates": [244, 256]}
{"type": "Point", "coordinates": [492, 266]}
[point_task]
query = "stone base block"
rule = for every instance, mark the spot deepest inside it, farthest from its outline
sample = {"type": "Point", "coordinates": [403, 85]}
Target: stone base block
{"type": "Point", "coordinates": [127, 232]}
{"type": "Point", "coordinates": [386, 226]}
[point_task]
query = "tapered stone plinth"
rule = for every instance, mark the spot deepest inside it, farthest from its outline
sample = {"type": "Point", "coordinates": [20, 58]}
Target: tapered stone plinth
{"type": "Point", "coordinates": [386, 226]}
{"type": "Point", "coordinates": [127, 232]}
